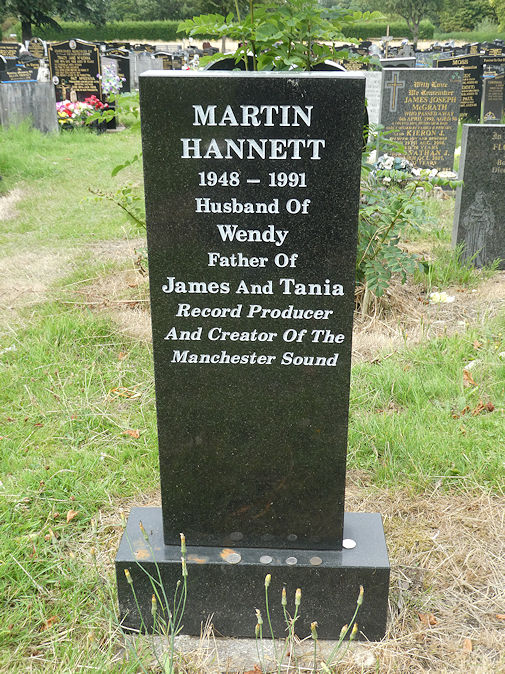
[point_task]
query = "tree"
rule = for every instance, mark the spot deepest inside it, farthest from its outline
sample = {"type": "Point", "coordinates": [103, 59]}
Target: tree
{"type": "Point", "coordinates": [499, 8]}
{"type": "Point", "coordinates": [458, 15]}
{"type": "Point", "coordinates": [413, 11]}
{"type": "Point", "coordinates": [42, 12]}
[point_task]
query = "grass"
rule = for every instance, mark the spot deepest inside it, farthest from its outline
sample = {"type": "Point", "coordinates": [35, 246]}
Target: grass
{"type": "Point", "coordinates": [407, 420]}
{"type": "Point", "coordinates": [77, 419]}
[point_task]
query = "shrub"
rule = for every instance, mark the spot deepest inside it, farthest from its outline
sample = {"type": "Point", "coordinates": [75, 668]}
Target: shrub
{"type": "Point", "coordinates": [121, 30]}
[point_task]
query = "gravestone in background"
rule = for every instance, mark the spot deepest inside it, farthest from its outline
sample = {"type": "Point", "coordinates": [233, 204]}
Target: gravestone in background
{"type": "Point", "coordinates": [19, 72]}
{"type": "Point", "coordinates": [492, 99]}
{"type": "Point", "coordinates": [252, 226]}
{"type": "Point", "coordinates": [471, 95]}
{"type": "Point", "coordinates": [480, 202]}
{"type": "Point", "coordinates": [122, 59]}
{"type": "Point", "coordinates": [75, 65]}
{"type": "Point", "coordinates": [472, 49]}
{"type": "Point", "coordinates": [493, 59]}
{"type": "Point", "coordinates": [399, 62]}
{"type": "Point", "coordinates": [142, 62]}
{"type": "Point", "coordinates": [9, 49]}
{"type": "Point", "coordinates": [28, 100]}
{"type": "Point", "coordinates": [421, 107]}
{"type": "Point", "coordinates": [166, 59]}
{"type": "Point", "coordinates": [373, 93]}
{"type": "Point", "coordinates": [37, 48]}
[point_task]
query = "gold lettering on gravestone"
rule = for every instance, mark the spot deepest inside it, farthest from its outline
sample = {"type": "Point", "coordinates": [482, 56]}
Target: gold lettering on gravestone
{"type": "Point", "coordinates": [429, 114]}
{"type": "Point", "coordinates": [36, 48]}
{"type": "Point", "coordinates": [9, 49]}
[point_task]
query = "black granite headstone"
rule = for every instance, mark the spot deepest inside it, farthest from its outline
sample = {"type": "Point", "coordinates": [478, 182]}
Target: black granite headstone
{"type": "Point", "coordinates": [9, 49]}
{"type": "Point", "coordinates": [472, 49]}
{"type": "Point", "coordinates": [19, 72]}
{"type": "Point", "coordinates": [471, 96]}
{"type": "Point", "coordinates": [75, 66]}
{"type": "Point", "coordinates": [166, 59]}
{"type": "Point", "coordinates": [480, 201]}
{"type": "Point", "coordinates": [492, 99]}
{"type": "Point", "coordinates": [421, 108]}
{"type": "Point", "coordinates": [252, 229]}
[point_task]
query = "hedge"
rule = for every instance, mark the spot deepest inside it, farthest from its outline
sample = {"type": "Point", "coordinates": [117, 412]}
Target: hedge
{"type": "Point", "coordinates": [129, 31]}
{"type": "Point", "coordinates": [166, 31]}
{"type": "Point", "coordinates": [375, 29]}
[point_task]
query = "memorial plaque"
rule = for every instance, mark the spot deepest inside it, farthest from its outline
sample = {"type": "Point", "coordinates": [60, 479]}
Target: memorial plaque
{"type": "Point", "coordinates": [421, 107]}
{"type": "Point", "coordinates": [9, 49]}
{"type": "Point", "coordinates": [480, 201]}
{"type": "Point", "coordinates": [252, 227]}
{"type": "Point", "coordinates": [492, 99]}
{"type": "Point", "coordinates": [75, 65]}
{"type": "Point", "coordinates": [471, 96]}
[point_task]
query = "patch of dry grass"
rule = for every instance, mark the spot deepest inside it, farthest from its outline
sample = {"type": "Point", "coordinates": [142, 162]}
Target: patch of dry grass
{"type": "Point", "coordinates": [447, 596]}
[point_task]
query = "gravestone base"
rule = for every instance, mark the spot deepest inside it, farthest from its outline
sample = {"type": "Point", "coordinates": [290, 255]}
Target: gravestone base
{"type": "Point", "coordinates": [228, 584]}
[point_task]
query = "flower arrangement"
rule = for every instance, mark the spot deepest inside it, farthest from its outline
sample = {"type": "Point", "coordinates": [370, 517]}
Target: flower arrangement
{"type": "Point", "coordinates": [399, 170]}
{"type": "Point", "coordinates": [112, 83]}
{"type": "Point", "coordinates": [71, 115]}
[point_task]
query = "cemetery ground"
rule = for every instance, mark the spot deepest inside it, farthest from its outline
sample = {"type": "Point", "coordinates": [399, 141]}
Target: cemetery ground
{"type": "Point", "coordinates": [78, 439]}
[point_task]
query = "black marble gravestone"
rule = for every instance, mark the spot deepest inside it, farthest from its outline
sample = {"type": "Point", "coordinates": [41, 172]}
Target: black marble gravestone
{"type": "Point", "coordinates": [471, 95]}
{"type": "Point", "coordinates": [421, 108]}
{"type": "Point", "coordinates": [9, 49]}
{"type": "Point", "coordinates": [492, 99]}
{"type": "Point", "coordinates": [19, 72]}
{"type": "Point", "coordinates": [75, 66]}
{"type": "Point", "coordinates": [252, 196]}
{"type": "Point", "coordinates": [480, 201]}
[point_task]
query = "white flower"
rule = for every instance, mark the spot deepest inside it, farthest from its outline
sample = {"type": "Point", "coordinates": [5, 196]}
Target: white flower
{"type": "Point", "coordinates": [433, 173]}
{"type": "Point", "coordinates": [450, 175]}
{"type": "Point", "coordinates": [441, 298]}
{"type": "Point", "coordinates": [416, 172]}
{"type": "Point", "coordinates": [387, 179]}
{"type": "Point", "coordinates": [388, 164]}
{"type": "Point", "coordinates": [372, 157]}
